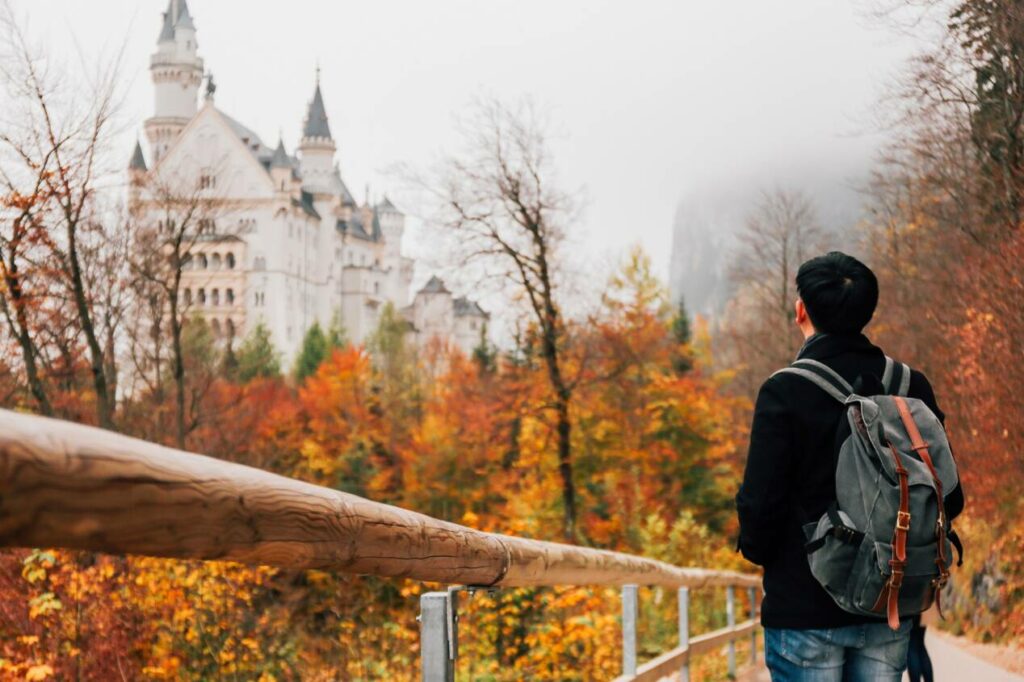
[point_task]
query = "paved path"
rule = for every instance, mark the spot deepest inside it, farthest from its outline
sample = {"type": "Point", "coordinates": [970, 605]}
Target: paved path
{"type": "Point", "coordinates": [950, 662]}
{"type": "Point", "coordinates": [953, 664]}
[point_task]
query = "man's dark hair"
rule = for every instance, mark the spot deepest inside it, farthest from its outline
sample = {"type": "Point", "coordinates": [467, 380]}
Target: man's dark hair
{"type": "Point", "coordinates": [839, 291]}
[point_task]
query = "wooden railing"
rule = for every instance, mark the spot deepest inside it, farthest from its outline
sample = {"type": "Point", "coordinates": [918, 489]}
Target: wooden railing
{"type": "Point", "coordinates": [73, 486]}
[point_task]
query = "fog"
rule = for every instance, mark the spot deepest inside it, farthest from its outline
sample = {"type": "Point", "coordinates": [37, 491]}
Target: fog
{"type": "Point", "coordinates": [664, 114]}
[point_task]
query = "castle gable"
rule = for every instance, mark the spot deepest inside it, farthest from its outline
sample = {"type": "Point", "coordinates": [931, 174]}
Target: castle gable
{"type": "Point", "coordinates": [215, 148]}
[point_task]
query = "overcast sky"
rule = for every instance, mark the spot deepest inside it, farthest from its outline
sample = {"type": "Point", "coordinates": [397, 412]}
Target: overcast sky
{"type": "Point", "coordinates": [651, 102]}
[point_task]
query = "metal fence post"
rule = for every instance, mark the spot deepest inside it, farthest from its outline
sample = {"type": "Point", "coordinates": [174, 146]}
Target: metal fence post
{"type": "Point", "coordinates": [436, 661]}
{"type": "Point", "coordinates": [730, 615]}
{"type": "Point", "coordinates": [629, 611]}
{"type": "Point", "coordinates": [684, 630]}
{"type": "Point", "coordinates": [753, 616]}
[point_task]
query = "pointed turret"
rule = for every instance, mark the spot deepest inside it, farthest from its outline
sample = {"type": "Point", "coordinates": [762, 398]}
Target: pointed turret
{"type": "Point", "coordinates": [138, 162]}
{"type": "Point", "coordinates": [316, 118]}
{"type": "Point", "coordinates": [280, 158]}
{"type": "Point", "coordinates": [376, 232]}
{"type": "Point", "coordinates": [177, 72]}
{"type": "Point", "coordinates": [317, 148]}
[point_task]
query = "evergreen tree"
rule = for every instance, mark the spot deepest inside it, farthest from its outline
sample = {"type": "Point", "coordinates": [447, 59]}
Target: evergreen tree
{"type": "Point", "coordinates": [314, 351]}
{"type": "Point", "coordinates": [682, 360]}
{"type": "Point", "coordinates": [229, 361]}
{"type": "Point", "coordinates": [256, 357]}
{"type": "Point", "coordinates": [485, 354]}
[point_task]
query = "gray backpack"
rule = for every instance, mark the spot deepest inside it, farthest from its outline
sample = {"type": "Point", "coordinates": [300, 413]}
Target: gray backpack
{"type": "Point", "coordinates": [883, 546]}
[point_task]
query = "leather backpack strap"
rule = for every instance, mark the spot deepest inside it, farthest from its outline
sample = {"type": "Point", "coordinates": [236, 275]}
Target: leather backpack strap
{"type": "Point", "coordinates": [921, 448]}
{"type": "Point", "coordinates": [888, 598]}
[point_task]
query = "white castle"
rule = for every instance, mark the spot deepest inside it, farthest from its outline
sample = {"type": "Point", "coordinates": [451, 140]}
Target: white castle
{"type": "Point", "coordinates": [292, 245]}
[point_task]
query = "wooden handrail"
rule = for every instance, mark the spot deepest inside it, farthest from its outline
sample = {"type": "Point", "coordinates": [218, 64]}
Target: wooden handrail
{"type": "Point", "coordinates": [670, 662]}
{"type": "Point", "coordinates": [74, 486]}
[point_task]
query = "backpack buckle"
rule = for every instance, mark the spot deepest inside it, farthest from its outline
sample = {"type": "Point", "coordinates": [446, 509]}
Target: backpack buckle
{"type": "Point", "coordinates": [896, 579]}
{"type": "Point", "coordinates": [903, 520]}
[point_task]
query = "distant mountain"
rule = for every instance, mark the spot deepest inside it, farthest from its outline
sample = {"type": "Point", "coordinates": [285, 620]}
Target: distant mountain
{"type": "Point", "coordinates": [707, 221]}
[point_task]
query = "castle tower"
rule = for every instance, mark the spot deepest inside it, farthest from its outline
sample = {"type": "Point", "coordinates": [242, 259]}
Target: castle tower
{"type": "Point", "coordinates": [392, 224]}
{"type": "Point", "coordinates": [281, 168]}
{"type": "Point", "coordinates": [136, 173]}
{"type": "Point", "coordinates": [177, 71]}
{"type": "Point", "coordinates": [316, 149]}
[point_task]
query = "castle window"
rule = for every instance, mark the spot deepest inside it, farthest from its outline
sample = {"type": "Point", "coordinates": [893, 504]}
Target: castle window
{"type": "Point", "coordinates": [216, 262]}
{"type": "Point", "coordinates": [215, 326]}
{"type": "Point", "coordinates": [188, 297]}
{"type": "Point", "coordinates": [207, 226]}
{"type": "Point", "coordinates": [229, 260]}
{"type": "Point", "coordinates": [259, 263]}
{"type": "Point", "coordinates": [215, 297]}
{"type": "Point", "coordinates": [201, 296]}
{"type": "Point", "coordinates": [207, 180]}
{"type": "Point", "coordinates": [202, 262]}
{"type": "Point", "coordinates": [230, 328]}
{"type": "Point", "coordinates": [229, 296]}
{"type": "Point", "coordinates": [376, 287]}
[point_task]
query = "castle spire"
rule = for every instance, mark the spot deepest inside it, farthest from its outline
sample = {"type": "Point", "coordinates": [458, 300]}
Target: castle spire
{"type": "Point", "coordinates": [138, 162]}
{"type": "Point", "coordinates": [280, 158]}
{"type": "Point", "coordinates": [316, 118]}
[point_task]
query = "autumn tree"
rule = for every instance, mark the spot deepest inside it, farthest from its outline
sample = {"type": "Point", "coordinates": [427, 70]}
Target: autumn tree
{"type": "Point", "coordinates": [757, 329]}
{"type": "Point", "coordinates": [54, 147]}
{"type": "Point", "coordinates": [178, 216]}
{"type": "Point", "coordinates": [499, 202]}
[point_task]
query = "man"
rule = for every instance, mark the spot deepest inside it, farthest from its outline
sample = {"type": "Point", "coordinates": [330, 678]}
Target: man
{"type": "Point", "coordinates": [790, 480]}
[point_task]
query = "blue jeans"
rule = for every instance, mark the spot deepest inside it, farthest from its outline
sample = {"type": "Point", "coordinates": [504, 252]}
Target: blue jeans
{"type": "Point", "coordinates": [855, 653]}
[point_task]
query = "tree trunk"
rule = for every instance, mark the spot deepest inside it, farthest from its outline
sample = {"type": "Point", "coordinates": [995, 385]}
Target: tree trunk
{"type": "Point", "coordinates": [20, 332]}
{"type": "Point", "coordinates": [104, 401]}
{"type": "Point", "coordinates": [178, 372]}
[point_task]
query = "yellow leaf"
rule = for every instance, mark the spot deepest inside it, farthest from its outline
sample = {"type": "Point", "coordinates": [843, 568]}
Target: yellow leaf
{"type": "Point", "coordinates": [38, 672]}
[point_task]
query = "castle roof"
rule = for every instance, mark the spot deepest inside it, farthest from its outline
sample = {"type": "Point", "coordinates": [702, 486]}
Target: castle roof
{"type": "Point", "coordinates": [305, 202]}
{"type": "Point", "coordinates": [177, 14]}
{"type": "Point", "coordinates": [376, 232]}
{"type": "Point", "coordinates": [316, 118]}
{"type": "Point", "coordinates": [342, 189]}
{"type": "Point", "coordinates": [467, 308]}
{"type": "Point", "coordinates": [386, 206]}
{"type": "Point", "coordinates": [249, 138]}
{"type": "Point", "coordinates": [354, 227]}
{"type": "Point", "coordinates": [184, 19]}
{"type": "Point", "coordinates": [280, 159]}
{"type": "Point", "coordinates": [167, 28]}
{"type": "Point", "coordinates": [434, 286]}
{"type": "Point", "coordinates": [138, 161]}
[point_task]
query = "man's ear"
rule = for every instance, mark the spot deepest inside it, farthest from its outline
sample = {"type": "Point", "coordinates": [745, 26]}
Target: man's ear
{"type": "Point", "coordinates": [801, 311]}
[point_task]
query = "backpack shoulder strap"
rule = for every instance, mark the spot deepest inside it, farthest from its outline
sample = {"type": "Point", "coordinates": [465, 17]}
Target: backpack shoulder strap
{"type": "Point", "coordinates": [896, 377]}
{"type": "Point", "coordinates": [822, 376]}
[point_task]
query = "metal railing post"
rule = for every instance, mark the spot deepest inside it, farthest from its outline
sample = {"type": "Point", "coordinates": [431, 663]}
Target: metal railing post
{"type": "Point", "coordinates": [752, 591]}
{"type": "Point", "coordinates": [629, 612]}
{"type": "Point", "coordinates": [436, 643]}
{"type": "Point", "coordinates": [730, 616]}
{"type": "Point", "coordinates": [684, 630]}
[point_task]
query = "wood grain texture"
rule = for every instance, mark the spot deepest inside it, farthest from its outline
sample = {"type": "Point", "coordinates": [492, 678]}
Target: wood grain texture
{"type": "Point", "coordinates": [73, 486]}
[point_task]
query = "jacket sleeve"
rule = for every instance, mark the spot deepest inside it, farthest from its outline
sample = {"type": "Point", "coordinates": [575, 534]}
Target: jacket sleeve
{"type": "Point", "coordinates": [763, 497]}
{"type": "Point", "coordinates": [921, 388]}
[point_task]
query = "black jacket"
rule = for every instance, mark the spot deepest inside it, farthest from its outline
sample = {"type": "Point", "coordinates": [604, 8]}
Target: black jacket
{"type": "Point", "coordinates": [790, 479]}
